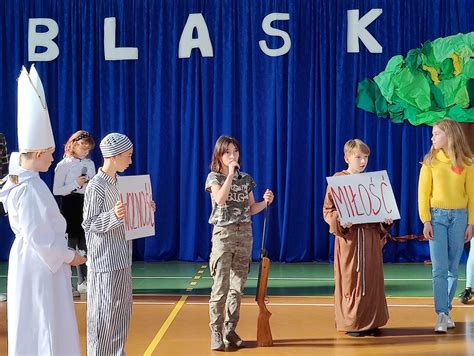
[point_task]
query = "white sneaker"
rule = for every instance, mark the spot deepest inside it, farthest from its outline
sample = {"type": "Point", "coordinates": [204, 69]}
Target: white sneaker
{"type": "Point", "coordinates": [441, 323]}
{"type": "Point", "coordinates": [216, 341]}
{"type": "Point", "coordinates": [451, 324]}
{"type": "Point", "coordinates": [82, 288]}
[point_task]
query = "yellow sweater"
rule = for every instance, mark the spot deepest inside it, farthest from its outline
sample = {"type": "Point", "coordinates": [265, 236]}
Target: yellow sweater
{"type": "Point", "coordinates": [440, 187]}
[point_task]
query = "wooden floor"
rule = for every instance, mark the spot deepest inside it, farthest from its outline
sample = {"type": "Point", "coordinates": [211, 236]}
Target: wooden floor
{"type": "Point", "coordinates": [170, 313]}
{"type": "Point", "coordinates": [300, 326]}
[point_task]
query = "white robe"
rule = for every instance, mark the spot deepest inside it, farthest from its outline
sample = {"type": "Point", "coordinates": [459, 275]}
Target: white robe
{"type": "Point", "coordinates": [41, 316]}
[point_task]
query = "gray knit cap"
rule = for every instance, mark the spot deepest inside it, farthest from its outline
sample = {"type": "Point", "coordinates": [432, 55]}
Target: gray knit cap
{"type": "Point", "coordinates": [114, 144]}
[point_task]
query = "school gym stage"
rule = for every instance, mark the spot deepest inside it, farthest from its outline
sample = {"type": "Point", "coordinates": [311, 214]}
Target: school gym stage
{"type": "Point", "coordinates": [170, 313]}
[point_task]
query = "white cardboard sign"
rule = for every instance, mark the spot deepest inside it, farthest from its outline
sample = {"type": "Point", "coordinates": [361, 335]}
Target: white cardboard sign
{"type": "Point", "coordinates": [135, 192]}
{"type": "Point", "coordinates": [363, 198]}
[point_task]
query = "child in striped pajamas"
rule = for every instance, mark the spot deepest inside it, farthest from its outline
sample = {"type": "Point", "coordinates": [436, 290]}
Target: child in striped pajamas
{"type": "Point", "coordinates": [109, 302]}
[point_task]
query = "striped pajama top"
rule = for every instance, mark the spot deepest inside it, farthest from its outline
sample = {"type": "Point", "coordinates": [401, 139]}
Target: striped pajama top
{"type": "Point", "coordinates": [107, 249]}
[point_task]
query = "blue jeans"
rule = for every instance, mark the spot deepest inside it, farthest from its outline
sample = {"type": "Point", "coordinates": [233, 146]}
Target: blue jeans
{"type": "Point", "coordinates": [449, 226]}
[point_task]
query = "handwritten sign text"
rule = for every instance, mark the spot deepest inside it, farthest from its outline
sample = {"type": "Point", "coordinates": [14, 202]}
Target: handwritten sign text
{"type": "Point", "coordinates": [363, 198]}
{"type": "Point", "coordinates": [135, 193]}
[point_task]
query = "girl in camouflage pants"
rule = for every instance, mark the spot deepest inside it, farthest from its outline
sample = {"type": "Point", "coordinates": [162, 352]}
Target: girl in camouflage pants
{"type": "Point", "coordinates": [233, 203]}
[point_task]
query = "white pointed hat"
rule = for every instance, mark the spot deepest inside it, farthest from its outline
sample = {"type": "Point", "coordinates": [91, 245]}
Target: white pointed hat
{"type": "Point", "coordinates": [34, 125]}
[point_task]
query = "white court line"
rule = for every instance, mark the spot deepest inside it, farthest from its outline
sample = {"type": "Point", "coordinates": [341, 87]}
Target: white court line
{"type": "Point", "coordinates": [332, 305]}
{"type": "Point", "coordinates": [322, 279]}
{"type": "Point", "coordinates": [140, 277]}
{"type": "Point", "coordinates": [161, 277]}
{"type": "Point", "coordinates": [293, 304]}
{"type": "Point", "coordinates": [136, 303]}
{"type": "Point", "coordinates": [332, 279]}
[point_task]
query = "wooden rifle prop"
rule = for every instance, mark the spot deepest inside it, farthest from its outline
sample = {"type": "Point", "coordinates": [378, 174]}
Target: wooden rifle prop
{"type": "Point", "coordinates": [264, 333]}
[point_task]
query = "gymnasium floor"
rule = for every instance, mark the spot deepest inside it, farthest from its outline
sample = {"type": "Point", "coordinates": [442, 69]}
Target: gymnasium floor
{"type": "Point", "coordinates": [170, 313]}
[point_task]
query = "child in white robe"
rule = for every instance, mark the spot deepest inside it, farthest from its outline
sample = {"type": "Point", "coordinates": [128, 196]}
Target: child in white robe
{"type": "Point", "coordinates": [41, 317]}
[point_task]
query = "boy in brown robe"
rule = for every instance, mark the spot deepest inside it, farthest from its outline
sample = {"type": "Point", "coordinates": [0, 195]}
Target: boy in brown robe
{"type": "Point", "coordinates": [359, 297]}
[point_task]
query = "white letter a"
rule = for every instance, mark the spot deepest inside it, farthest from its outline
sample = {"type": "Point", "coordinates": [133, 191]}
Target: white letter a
{"type": "Point", "coordinates": [187, 43]}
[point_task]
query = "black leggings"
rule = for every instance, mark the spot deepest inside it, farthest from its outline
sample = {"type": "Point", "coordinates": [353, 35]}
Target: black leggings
{"type": "Point", "coordinates": [71, 209]}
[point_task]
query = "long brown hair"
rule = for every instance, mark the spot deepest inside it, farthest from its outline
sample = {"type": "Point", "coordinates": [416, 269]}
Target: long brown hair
{"type": "Point", "coordinates": [80, 137]}
{"type": "Point", "coordinates": [458, 149]}
{"type": "Point", "coordinates": [220, 148]}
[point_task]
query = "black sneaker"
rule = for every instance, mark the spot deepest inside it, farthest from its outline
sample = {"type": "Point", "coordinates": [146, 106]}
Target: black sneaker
{"type": "Point", "coordinates": [232, 339]}
{"type": "Point", "coordinates": [355, 333]}
{"type": "Point", "coordinates": [370, 332]}
{"type": "Point", "coordinates": [465, 296]}
{"type": "Point", "coordinates": [373, 332]}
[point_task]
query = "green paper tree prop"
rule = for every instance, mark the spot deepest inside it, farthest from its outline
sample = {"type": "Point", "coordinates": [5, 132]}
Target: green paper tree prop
{"type": "Point", "coordinates": [432, 82]}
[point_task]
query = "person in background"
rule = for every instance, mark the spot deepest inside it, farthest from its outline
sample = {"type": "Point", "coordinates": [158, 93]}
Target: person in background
{"type": "Point", "coordinates": [3, 165]}
{"type": "Point", "coordinates": [70, 180]}
{"type": "Point", "coordinates": [3, 173]}
{"type": "Point", "coordinates": [466, 294]}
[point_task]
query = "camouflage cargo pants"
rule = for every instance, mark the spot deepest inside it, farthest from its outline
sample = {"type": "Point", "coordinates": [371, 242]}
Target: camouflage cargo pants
{"type": "Point", "coordinates": [229, 264]}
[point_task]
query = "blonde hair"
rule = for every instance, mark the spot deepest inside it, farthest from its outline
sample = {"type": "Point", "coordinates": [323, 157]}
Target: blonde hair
{"type": "Point", "coordinates": [80, 137]}
{"type": "Point", "coordinates": [41, 150]}
{"type": "Point", "coordinates": [32, 153]}
{"type": "Point", "coordinates": [457, 149]}
{"type": "Point", "coordinates": [220, 148]}
{"type": "Point", "coordinates": [355, 144]}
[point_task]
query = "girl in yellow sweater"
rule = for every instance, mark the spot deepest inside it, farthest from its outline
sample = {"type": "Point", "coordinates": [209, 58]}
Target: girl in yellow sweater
{"type": "Point", "coordinates": [446, 208]}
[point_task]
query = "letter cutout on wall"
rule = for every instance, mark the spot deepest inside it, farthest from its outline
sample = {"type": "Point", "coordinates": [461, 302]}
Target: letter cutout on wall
{"type": "Point", "coordinates": [112, 53]}
{"type": "Point", "coordinates": [356, 28]}
{"type": "Point", "coordinates": [42, 39]}
{"type": "Point", "coordinates": [271, 31]}
{"type": "Point", "coordinates": [202, 42]}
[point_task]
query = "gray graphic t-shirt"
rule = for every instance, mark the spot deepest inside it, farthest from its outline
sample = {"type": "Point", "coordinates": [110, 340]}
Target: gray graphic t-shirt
{"type": "Point", "coordinates": [236, 209]}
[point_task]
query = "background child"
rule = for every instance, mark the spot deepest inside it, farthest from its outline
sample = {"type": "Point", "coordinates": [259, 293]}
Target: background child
{"type": "Point", "coordinates": [359, 296]}
{"type": "Point", "coordinates": [446, 207]}
{"type": "Point", "coordinates": [466, 294]}
{"type": "Point", "coordinates": [70, 179]}
{"type": "Point", "coordinates": [3, 156]}
{"type": "Point", "coordinates": [233, 203]}
{"type": "Point", "coordinates": [3, 170]}
{"type": "Point", "coordinates": [3, 173]}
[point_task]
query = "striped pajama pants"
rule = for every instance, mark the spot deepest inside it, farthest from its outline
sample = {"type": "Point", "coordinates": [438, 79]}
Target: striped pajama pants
{"type": "Point", "coordinates": [109, 307]}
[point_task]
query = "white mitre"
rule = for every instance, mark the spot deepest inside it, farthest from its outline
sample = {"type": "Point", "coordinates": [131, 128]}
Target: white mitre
{"type": "Point", "coordinates": [34, 125]}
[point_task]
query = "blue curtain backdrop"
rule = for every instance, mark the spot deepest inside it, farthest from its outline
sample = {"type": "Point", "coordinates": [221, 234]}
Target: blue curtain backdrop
{"type": "Point", "coordinates": [292, 114]}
